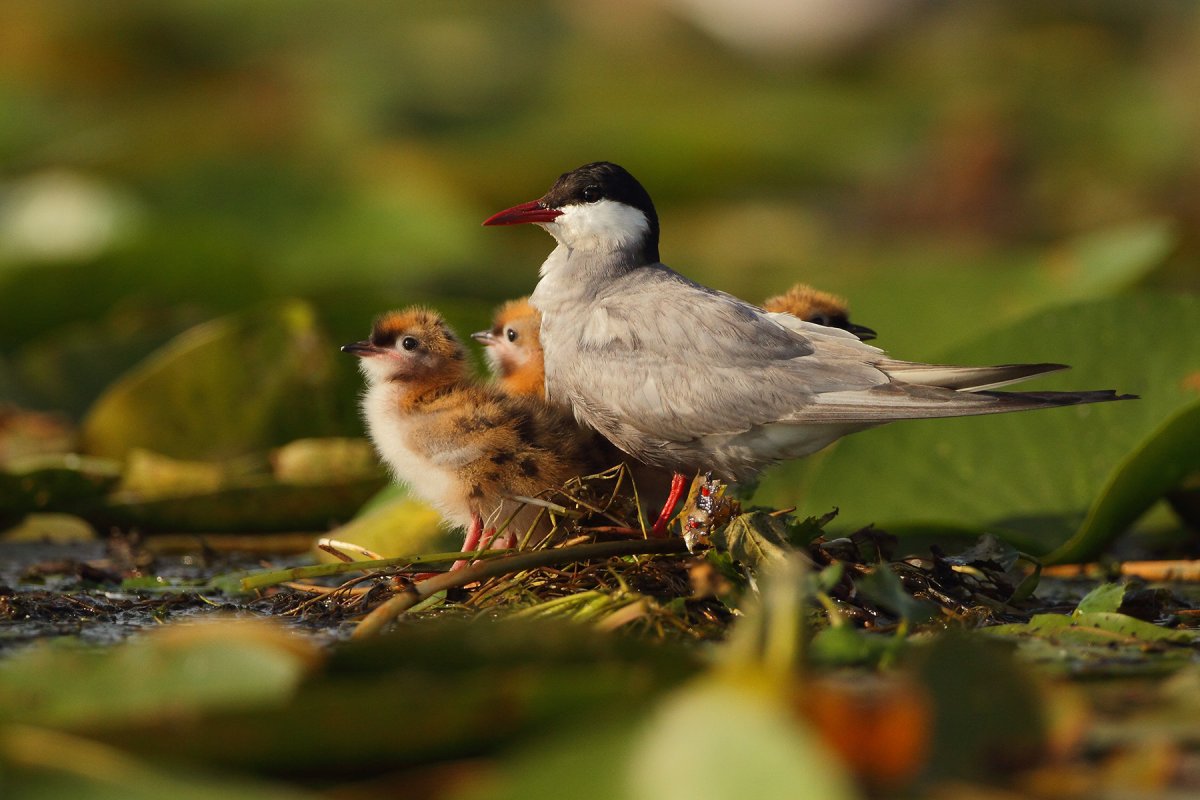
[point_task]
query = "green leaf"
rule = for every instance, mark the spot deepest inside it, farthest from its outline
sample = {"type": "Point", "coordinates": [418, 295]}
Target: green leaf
{"type": "Point", "coordinates": [755, 538]}
{"type": "Point", "coordinates": [722, 737]}
{"type": "Point", "coordinates": [1107, 597]}
{"type": "Point", "coordinates": [481, 687]}
{"type": "Point", "coordinates": [224, 664]}
{"type": "Point", "coordinates": [41, 764]}
{"type": "Point", "coordinates": [847, 646]}
{"type": "Point", "coordinates": [988, 712]}
{"type": "Point", "coordinates": [331, 459]}
{"type": "Point", "coordinates": [50, 528]}
{"type": "Point", "coordinates": [1169, 456]}
{"type": "Point", "coordinates": [1031, 477]}
{"type": "Point", "coordinates": [227, 387]}
{"type": "Point", "coordinates": [752, 740]}
{"type": "Point", "coordinates": [254, 504]}
{"type": "Point", "coordinates": [386, 496]}
{"type": "Point", "coordinates": [1105, 262]}
{"type": "Point", "coordinates": [1094, 625]}
{"type": "Point", "coordinates": [56, 483]}
{"type": "Point", "coordinates": [758, 538]}
{"type": "Point", "coordinates": [405, 525]}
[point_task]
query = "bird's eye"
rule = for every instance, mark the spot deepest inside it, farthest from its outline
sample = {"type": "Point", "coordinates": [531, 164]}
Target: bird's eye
{"type": "Point", "coordinates": [510, 334]}
{"type": "Point", "coordinates": [409, 343]}
{"type": "Point", "coordinates": [592, 194]}
{"type": "Point", "coordinates": [819, 319]}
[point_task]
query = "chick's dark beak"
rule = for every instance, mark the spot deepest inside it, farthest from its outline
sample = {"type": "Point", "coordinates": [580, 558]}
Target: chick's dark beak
{"type": "Point", "coordinates": [361, 349]}
{"type": "Point", "coordinates": [861, 331]}
{"type": "Point", "coordinates": [533, 211]}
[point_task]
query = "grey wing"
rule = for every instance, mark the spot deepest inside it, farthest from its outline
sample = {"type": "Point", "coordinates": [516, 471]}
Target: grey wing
{"type": "Point", "coordinates": [681, 361]}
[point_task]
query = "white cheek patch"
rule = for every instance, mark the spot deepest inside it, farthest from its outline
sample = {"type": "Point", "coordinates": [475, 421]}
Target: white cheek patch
{"type": "Point", "coordinates": [378, 368]}
{"type": "Point", "coordinates": [606, 225]}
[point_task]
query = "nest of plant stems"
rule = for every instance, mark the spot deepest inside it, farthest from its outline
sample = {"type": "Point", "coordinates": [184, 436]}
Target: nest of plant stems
{"type": "Point", "coordinates": [599, 566]}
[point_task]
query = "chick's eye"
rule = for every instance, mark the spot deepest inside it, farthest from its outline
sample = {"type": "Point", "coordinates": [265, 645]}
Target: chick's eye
{"type": "Point", "coordinates": [592, 194]}
{"type": "Point", "coordinates": [409, 343]}
{"type": "Point", "coordinates": [510, 334]}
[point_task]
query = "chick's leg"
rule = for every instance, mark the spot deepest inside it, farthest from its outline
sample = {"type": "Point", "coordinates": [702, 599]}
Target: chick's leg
{"type": "Point", "coordinates": [474, 534]}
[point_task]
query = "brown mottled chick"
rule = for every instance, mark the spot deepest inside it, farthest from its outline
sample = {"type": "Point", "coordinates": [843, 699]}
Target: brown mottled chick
{"type": "Point", "coordinates": [513, 349]}
{"type": "Point", "coordinates": [465, 447]}
{"type": "Point", "coordinates": [821, 308]}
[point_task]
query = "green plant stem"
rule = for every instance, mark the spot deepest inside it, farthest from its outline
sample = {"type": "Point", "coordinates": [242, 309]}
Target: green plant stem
{"type": "Point", "coordinates": [261, 580]}
{"type": "Point", "coordinates": [380, 617]}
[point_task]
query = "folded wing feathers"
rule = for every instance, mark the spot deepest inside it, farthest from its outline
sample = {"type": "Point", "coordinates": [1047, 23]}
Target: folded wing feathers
{"type": "Point", "coordinates": [965, 379]}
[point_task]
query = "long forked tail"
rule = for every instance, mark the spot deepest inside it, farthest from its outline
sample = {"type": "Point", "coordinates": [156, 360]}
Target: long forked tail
{"type": "Point", "coordinates": [896, 401]}
{"type": "Point", "coordinates": [1042, 399]}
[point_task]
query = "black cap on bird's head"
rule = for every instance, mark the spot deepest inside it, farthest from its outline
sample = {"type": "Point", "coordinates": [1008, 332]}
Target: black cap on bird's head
{"type": "Point", "coordinates": [596, 185]}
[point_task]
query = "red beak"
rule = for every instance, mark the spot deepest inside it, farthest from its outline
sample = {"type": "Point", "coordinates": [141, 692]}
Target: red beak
{"type": "Point", "coordinates": [533, 211]}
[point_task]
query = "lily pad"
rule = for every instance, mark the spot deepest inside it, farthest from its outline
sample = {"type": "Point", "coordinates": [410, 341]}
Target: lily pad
{"type": "Point", "coordinates": [1165, 460]}
{"type": "Point", "coordinates": [325, 460]}
{"type": "Point", "coordinates": [1105, 627]}
{"type": "Point", "coordinates": [406, 525]}
{"type": "Point", "coordinates": [56, 483]}
{"type": "Point", "coordinates": [254, 504]}
{"type": "Point", "coordinates": [1031, 478]}
{"type": "Point", "coordinates": [214, 665]}
{"type": "Point", "coordinates": [53, 528]}
{"type": "Point", "coordinates": [224, 388]}
{"type": "Point", "coordinates": [151, 476]}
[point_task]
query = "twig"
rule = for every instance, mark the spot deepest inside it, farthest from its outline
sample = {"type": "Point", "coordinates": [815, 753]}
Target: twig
{"type": "Point", "coordinates": [379, 618]}
{"type": "Point", "coordinates": [261, 580]}
{"type": "Point", "coordinates": [1180, 570]}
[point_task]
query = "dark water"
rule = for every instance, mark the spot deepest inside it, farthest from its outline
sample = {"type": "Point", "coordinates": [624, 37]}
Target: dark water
{"type": "Point", "coordinates": [79, 591]}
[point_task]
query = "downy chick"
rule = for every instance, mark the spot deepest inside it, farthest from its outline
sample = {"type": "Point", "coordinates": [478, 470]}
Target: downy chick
{"type": "Point", "coordinates": [465, 447]}
{"type": "Point", "coordinates": [513, 349]}
{"type": "Point", "coordinates": [818, 307]}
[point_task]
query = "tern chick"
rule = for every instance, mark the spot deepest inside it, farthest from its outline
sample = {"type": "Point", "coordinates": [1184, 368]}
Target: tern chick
{"type": "Point", "coordinates": [465, 447]}
{"type": "Point", "coordinates": [513, 349]}
{"type": "Point", "coordinates": [685, 377]}
{"type": "Point", "coordinates": [818, 307]}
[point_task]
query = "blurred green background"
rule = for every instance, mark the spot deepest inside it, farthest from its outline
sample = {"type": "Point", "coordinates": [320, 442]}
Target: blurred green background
{"type": "Point", "coordinates": [949, 167]}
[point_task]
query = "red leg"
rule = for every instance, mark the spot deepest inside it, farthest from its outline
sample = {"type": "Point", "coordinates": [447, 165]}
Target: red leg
{"type": "Point", "coordinates": [490, 539]}
{"type": "Point", "coordinates": [505, 542]}
{"type": "Point", "coordinates": [486, 542]}
{"type": "Point", "coordinates": [474, 533]}
{"type": "Point", "coordinates": [664, 516]}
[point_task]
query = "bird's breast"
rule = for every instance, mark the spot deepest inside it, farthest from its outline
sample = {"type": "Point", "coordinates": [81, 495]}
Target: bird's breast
{"type": "Point", "coordinates": [432, 474]}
